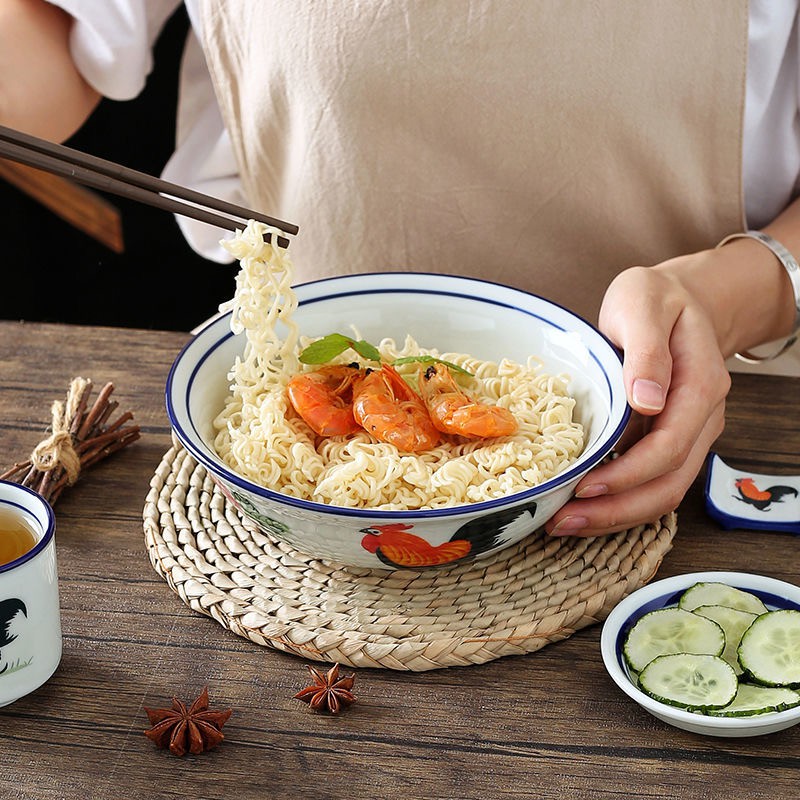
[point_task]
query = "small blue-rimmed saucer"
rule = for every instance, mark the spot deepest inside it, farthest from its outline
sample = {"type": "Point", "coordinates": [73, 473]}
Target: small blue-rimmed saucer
{"type": "Point", "coordinates": [664, 593]}
{"type": "Point", "coordinates": [742, 499]}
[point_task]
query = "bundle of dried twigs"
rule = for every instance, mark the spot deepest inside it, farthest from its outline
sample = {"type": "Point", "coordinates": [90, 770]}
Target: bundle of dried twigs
{"type": "Point", "coordinates": [81, 435]}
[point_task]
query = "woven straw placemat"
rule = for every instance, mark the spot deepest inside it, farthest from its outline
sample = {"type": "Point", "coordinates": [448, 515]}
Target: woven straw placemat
{"type": "Point", "coordinates": [516, 601]}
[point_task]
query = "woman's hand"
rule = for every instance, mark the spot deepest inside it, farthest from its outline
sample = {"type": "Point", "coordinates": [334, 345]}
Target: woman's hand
{"type": "Point", "coordinates": [676, 382]}
{"type": "Point", "coordinates": [676, 323]}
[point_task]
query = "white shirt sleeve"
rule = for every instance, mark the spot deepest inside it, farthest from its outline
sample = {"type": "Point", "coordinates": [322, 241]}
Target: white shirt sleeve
{"type": "Point", "coordinates": [112, 45]}
{"type": "Point", "coordinates": [771, 142]}
{"type": "Point", "coordinates": [112, 41]}
{"type": "Point", "coordinates": [203, 159]}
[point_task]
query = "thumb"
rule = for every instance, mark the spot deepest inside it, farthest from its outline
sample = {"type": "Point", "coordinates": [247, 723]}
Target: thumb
{"type": "Point", "coordinates": [646, 387]}
{"type": "Point", "coordinates": [646, 367]}
{"type": "Point", "coordinates": [642, 330]}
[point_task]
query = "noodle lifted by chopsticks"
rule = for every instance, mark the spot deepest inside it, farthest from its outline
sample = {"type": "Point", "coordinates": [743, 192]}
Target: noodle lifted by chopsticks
{"type": "Point", "coordinates": [260, 436]}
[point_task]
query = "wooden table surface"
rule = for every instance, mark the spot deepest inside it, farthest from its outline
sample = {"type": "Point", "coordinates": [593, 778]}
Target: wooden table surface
{"type": "Point", "coordinates": [547, 725]}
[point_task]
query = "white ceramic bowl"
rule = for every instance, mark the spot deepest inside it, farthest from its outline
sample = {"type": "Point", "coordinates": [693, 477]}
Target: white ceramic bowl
{"type": "Point", "coordinates": [488, 321]}
{"type": "Point", "coordinates": [774, 593]}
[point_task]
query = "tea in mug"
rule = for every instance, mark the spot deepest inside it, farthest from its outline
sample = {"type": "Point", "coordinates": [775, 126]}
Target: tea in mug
{"type": "Point", "coordinates": [16, 536]}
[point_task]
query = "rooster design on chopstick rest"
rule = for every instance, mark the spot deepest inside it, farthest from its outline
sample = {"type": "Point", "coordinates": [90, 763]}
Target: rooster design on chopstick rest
{"type": "Point", "coordinates": [738, 499]}
{"type": "Point", "coordinates": [13, 616]}
{"type": "Point", "coordinates": [762, 499]}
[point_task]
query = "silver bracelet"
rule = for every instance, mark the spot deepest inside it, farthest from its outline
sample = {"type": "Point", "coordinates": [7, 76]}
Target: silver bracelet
{"type": "Point", "coordinates": [792, 270]}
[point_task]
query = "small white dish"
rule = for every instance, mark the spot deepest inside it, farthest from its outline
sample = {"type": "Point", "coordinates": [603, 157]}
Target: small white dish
{"type": "Point", "coordinates": [774, 593]}
{"type": "Point", "coordinates": [755, 500]}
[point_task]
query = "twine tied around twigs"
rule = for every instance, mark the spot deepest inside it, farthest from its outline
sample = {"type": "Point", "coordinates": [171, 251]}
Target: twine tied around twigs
{"type": "Point", "coordinates": [58, 450]}
{"type": "Point", "coordinates": [80, 435]}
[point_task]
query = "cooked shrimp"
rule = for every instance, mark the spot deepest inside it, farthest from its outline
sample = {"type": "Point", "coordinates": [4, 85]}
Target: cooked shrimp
{"type": "Point", "coordinates": [324, 399]}
{"type": "Point", "coordinates": [452, 410]}
{"type": "Point", "coordinates": [388, 408]}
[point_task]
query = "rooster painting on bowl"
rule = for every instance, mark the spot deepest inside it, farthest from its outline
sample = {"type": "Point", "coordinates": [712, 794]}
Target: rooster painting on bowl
{"type": "Point", "coordinates": [396, 547]}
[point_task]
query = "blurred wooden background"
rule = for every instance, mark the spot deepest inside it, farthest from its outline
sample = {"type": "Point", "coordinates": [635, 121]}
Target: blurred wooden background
{"type": "Point", "coordinates": [58, 273]}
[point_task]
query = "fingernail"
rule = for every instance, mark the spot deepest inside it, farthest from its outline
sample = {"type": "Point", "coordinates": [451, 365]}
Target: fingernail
{"type": "Point", "coordinates": [569, 525]}
{"type": "Point", "coordinates": [594, 490]}
{"type": "Point", "coordinates": [648, 394]}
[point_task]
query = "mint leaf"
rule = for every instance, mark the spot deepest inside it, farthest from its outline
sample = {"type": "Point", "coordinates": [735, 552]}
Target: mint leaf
{"type": "Point", "coordinates": [330, 346]}
{"type": "Point", "coordinates": [325, 349]}
{"type": "Point", "coordinates": [432, 359]}
{"type": "Point", "coordinates": [366, 350]}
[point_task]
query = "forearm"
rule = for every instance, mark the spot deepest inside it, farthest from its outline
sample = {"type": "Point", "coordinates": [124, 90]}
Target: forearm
{"type": "Point", "coordinates": [41, 90]}
{"type": "Point", "coordinates": [743, 287]}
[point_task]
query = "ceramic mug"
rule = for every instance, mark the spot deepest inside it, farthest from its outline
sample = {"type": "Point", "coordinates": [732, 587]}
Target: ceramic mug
{"type": "Point", "coordinates": [30, 619]}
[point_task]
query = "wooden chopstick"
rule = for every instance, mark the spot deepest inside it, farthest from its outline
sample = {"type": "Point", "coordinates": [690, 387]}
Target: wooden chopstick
{"type": "Point", "coordinates": [81, 207]}
{"type": "Point", "coordinates": [108, 176]}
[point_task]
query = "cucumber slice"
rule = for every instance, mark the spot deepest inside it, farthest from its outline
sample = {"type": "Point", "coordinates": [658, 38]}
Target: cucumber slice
{"type": "Point", "coordinates": [720, 594]}
{"type": "Point", "coordinates": [770, 649]}
{"type": "Point", "coordinates": [671, 630]}
{"type": "Point", "coordinates": [752, 699]}
{"type": "Point", "coordinates": [691, 681]}
{"type": "Point", "coordinates": [734, 623]}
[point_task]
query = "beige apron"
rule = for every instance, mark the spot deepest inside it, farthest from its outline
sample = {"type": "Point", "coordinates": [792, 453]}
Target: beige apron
{"type": "Point", "coordinates": [546, 145]}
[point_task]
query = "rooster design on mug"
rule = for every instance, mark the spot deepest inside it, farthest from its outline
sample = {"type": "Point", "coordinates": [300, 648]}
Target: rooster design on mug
{"type": "Point", "coordinates": [10, 611]}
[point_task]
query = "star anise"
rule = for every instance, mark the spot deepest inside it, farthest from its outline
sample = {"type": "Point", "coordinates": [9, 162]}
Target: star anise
{"type": "Point", "coordinates": [193, 729]}
{"type": "Point", "coordinates": [328, 692]}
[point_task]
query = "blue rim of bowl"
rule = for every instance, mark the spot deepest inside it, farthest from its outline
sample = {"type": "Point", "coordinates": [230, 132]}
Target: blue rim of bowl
{"type": "Point", "coordinates": [49, 529]}
{"type": "Point", "coordinates": [633, 612]}
{"type": "Point", "coordinates": [324, 508]}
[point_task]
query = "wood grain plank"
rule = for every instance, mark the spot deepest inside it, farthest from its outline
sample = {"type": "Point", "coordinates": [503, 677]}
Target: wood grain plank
{"type": "Point", "coordinates": [547, 725]}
